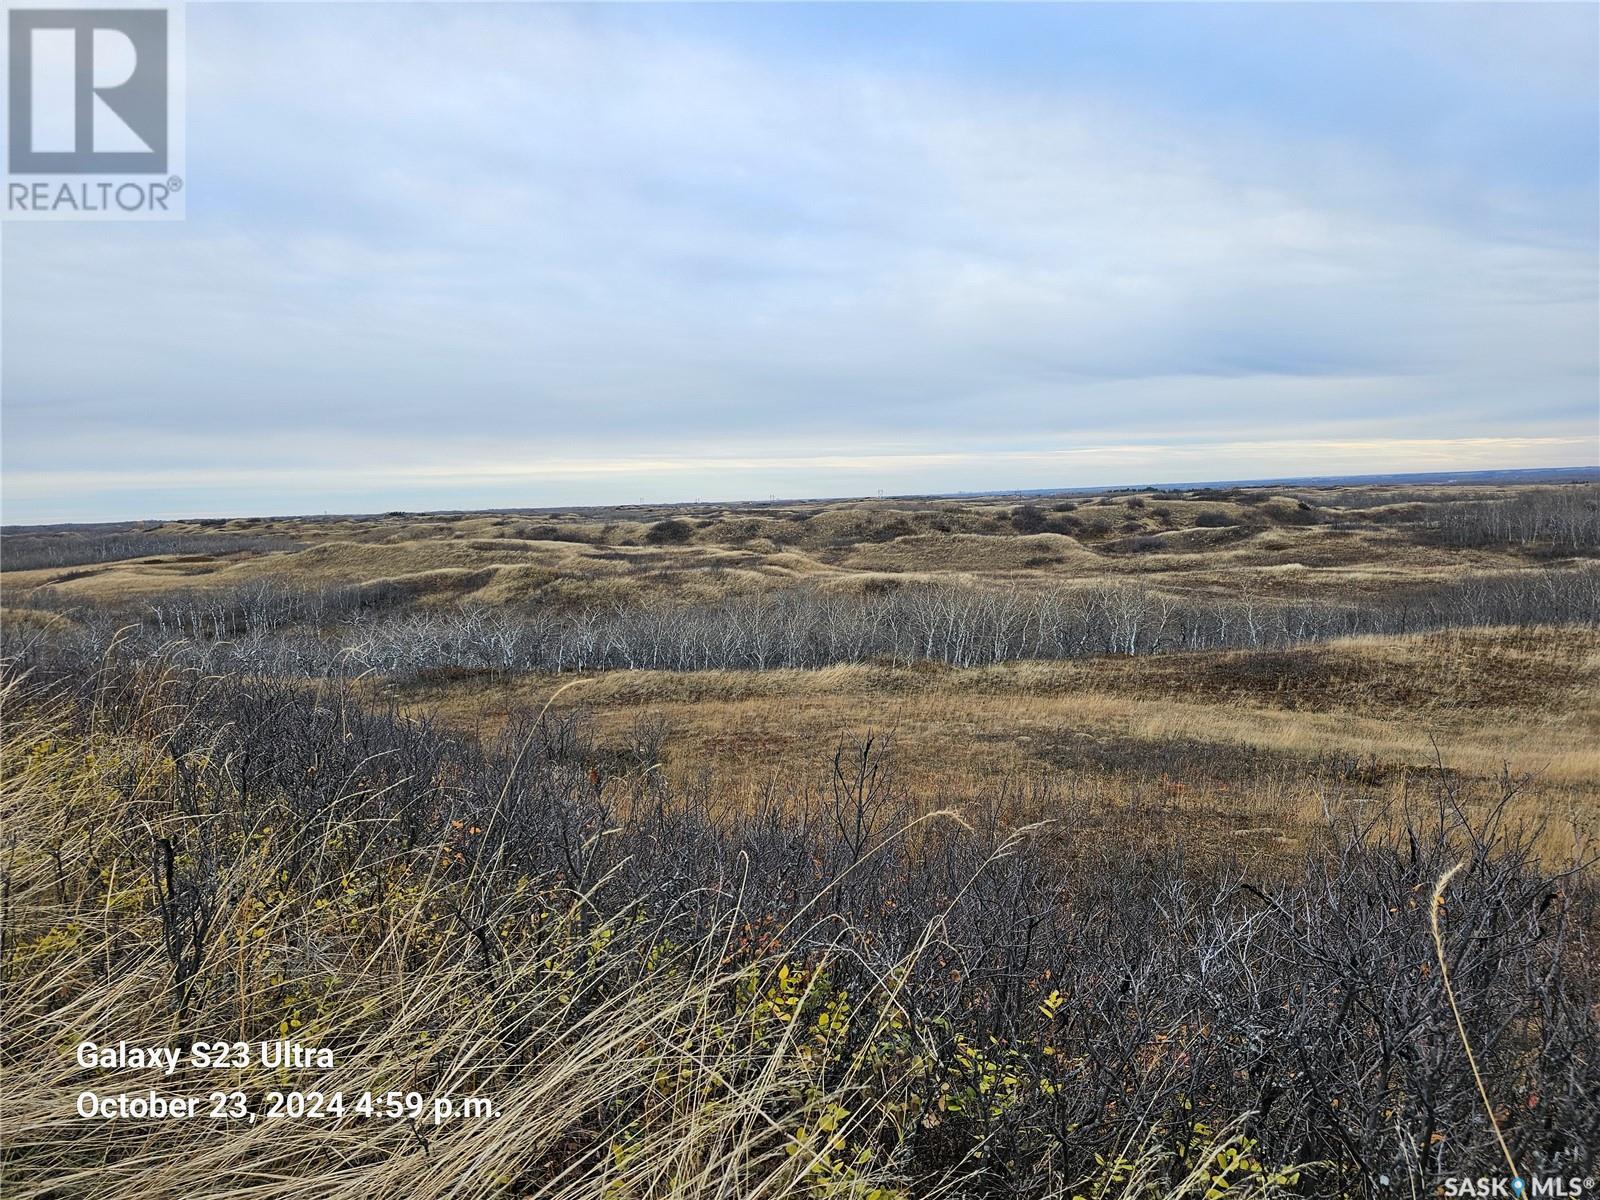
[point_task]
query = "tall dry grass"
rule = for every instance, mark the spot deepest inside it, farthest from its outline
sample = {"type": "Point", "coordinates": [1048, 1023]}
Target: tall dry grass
{"type": "Point", "coordinates": [619, 1063]}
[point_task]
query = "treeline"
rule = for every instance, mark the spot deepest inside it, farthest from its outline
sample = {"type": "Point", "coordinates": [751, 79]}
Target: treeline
{"type": "Point", "coordinates": [36, 550]}
{"type": "Point", "coordinates": [1562, 519]}
{"type": "Point", "coordinates": [269, 630]}
{"type": "Point", "coordinates": [1018, 1005]}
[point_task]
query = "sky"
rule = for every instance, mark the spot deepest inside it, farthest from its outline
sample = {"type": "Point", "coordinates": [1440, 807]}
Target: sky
{"type": "Point", "coordinates": [492, 255]}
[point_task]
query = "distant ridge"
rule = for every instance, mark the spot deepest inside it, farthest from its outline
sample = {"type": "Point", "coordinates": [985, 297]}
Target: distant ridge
{"type": "Point", "coordinates": [1516, 475]}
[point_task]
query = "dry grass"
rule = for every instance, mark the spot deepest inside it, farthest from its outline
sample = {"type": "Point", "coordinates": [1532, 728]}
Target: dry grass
{"type": "Point", "coordinates": [690, 1077]}
{"type": "Point", "coordinates": [624, 1067]}
{"type": "Point", "coordinates": [1244, 739]}
{"type": "Point", "coordinates": [1243, 539]}
{"type": "Point", "coordinates": [1203, 745]}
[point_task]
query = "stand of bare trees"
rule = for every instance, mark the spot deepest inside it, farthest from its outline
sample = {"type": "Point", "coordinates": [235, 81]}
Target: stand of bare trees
{"type": "Point", "coordinates": [273, 631]}
{"type": "Point", "coordinates": [1566, 520]}
{"type": "Point", "coordinates": [36, 549]}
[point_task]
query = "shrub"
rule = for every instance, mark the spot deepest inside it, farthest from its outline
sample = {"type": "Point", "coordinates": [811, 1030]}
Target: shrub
{"type": "Point", "coordinates": [671, 532]}
{"type": "Point", "coordinates": [834, 991]}
{"type": "Point", "coordinates": [1028, 518]}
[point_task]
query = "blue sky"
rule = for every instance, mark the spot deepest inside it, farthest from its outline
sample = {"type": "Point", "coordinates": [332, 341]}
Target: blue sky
{"type": "Point", "coordinates": [473, 255]}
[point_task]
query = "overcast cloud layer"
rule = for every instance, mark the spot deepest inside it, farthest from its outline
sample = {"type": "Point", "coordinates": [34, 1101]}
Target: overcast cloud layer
{"type": "Point", "coordinates": [466, 256]}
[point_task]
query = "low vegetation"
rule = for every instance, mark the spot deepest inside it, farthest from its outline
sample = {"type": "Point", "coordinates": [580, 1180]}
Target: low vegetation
{"type": "Point", "coordinates": [818, 851]}
{"type": "Point", "coordinates": [831, 994]}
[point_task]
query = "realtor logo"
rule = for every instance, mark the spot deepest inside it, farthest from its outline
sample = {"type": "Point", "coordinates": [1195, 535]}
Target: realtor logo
{"type": "Point", "coordinates": [92, 127]}
{"type": "Point", "coordinates": [88, 91]}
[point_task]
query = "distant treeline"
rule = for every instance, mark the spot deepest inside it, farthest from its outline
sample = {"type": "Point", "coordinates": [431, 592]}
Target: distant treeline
{"type": "Point", "coordinates": [1564, 519]}
{"type": "Point", "coordinates": [34, 551]}
{"type": "Point", "coordinates": [1560, 519]}
{"type": "Point", "coordinates": [269, 630]}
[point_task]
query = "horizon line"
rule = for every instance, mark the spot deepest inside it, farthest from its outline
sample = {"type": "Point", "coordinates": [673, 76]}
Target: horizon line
{"type": "Point", "coordinates": [1466, 477]}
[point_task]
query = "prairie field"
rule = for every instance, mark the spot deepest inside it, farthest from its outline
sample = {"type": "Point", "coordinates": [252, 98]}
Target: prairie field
{"type": "Point", "coordinates": [1086, 844]}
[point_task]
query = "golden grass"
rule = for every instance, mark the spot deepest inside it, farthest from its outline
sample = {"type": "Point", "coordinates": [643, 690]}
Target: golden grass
{"type": "Point", "coordinates": [601, 556]}
{"type": "Point", "coordinates": [1197, 745]}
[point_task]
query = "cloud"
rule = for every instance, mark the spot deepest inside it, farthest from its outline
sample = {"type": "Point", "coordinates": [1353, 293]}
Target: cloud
{"type": "Point", "coordinates": [420, 238]}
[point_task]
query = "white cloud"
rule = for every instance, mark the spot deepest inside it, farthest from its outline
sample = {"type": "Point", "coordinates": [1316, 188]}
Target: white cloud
{"type": "Point", "coordinates": [513, 230]}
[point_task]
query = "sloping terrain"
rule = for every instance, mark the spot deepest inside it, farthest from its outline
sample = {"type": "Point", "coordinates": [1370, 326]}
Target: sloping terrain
{"type": "Point", "coordinates": [1317, 542]}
